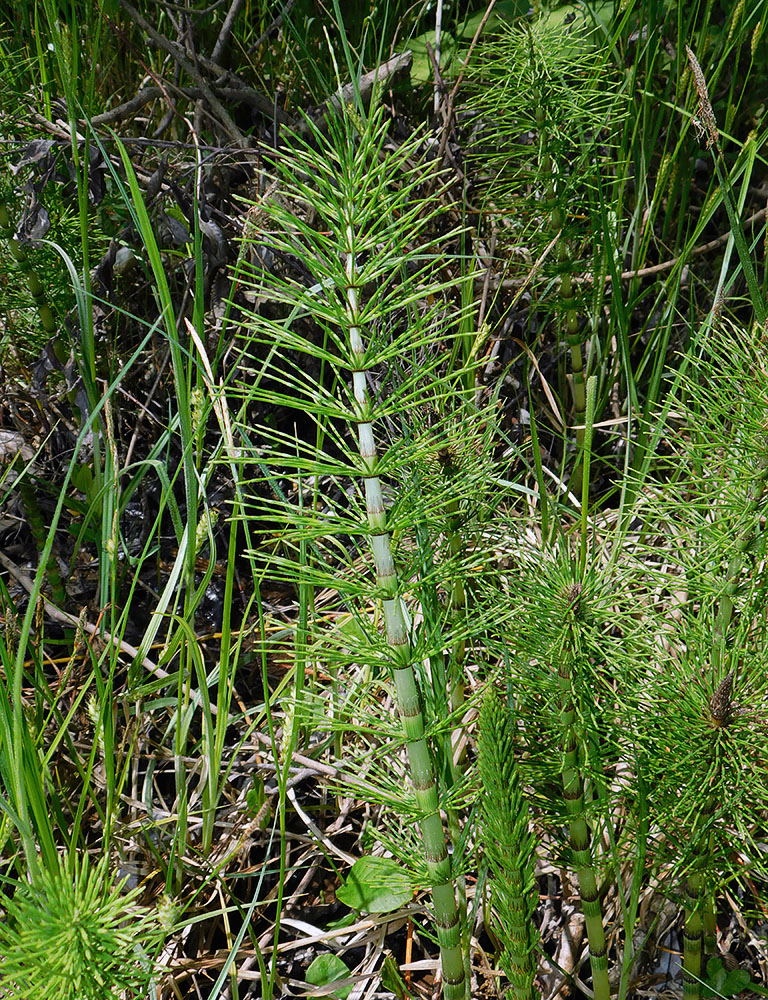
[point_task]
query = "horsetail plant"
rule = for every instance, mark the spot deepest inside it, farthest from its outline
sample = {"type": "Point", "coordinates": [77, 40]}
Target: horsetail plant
{"type": "Point", "coordinates": [567, 657]}
{"type": "Point", "coordinates": [509, 846]}
{"type": "Point", "coordinates": [570, 313]}
{"type": "Point", "coordinates": [77, 932]}
{"type": "Point", "coordinates": [35, 286]}
{"type": "Point", "coordinates": [549, 81]}
{"type": "Point", "coordinates": [361, 266]}
{"type": "Point", "coordinates": [704, 731]}
{"type": "Point", "coordinates": [397, 632]}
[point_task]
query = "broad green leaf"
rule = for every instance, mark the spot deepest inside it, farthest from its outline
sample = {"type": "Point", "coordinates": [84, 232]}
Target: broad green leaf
{"type": "Point", "coordinates": [723, 983]}
{"type": "Point", "coordinates": [376, 885]}
{"type": "Point", "coordinates": [327, 969]}
{"type": "Point", "coordinates": [421, 68]}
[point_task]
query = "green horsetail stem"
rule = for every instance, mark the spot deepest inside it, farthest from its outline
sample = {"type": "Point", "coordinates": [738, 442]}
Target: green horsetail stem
{"type": "Point", "coordinates": [458, 599]}
{"type": "Point", "coordinates": [741, 546]}
{"type": "Point", "coordinates": [436, 856]}
{"type": "Point", "coordinates": [568, 302]}
{"type": "Point", "coordinates": [720, 704]}
{"type": "Point", "coordinates": [700, 917]}
{"type": "Point", "coordinates": [693, 932]}
{"type": "Point", "coordinates": [39, 529]}
{"type": "Point", "coordinates": [34, 284]}
{"type": "Point", "coordinates": [573, 794]}
{"type": "Point", "coordinates": [700, 929]}
{"type": "Point", "coordinates": [509, 846]}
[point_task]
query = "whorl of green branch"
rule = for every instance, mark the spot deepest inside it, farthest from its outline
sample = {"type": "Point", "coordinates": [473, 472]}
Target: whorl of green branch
{"type": "Point", "coordinates": [509, 846]}
{"type": "Point", "coordinates": [550, 80]}
{"type": "Point", "coordinates": [704, 741]}
{"type": "Point", "coordinates": [77, 933]}
{"type": "Point", "coordinates": [571, 324]}
{"type": "Point", "coordinates": [409, 700]}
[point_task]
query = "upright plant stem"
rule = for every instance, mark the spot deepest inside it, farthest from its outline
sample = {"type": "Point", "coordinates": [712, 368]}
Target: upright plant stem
{"type": "Point", "coordinates": [409, 702]}
{"type": "Point", "coordinates": [723, 619]}
{"type": "Point", "coordinates": [693, 932]}
{"type": "Point", "coordinates": [568, 302]}
{"type": "Point", "coordinates": [458, 599]}
{"type": "Point", "coordinates": [573, 793]}
{"type": "Point", "coordinates": [35, 286]}
{"type": "Point", "coordinates": [509, 846]}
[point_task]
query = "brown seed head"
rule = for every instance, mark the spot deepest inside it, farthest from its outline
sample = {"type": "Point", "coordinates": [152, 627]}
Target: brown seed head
{"type": "Point", "coordinates": [572, 596]}
{"type": "Point", "coordinates": [720, 703]}
{"type": "Point", "coordinates": [706, 124]}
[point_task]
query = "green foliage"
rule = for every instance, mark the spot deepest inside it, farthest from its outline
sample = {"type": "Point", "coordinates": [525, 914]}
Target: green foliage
{"type": "Point", "coordinates": [706, 701]}
{"type": "Point", "coordinates": [326, 970]}
{"type": "Point", "coordinates": [347, 416]}
{"type": "Point", "coordinates": [509, 844]}
{"type": "Point", "coordinates": [722, 982]}
{"type": "Point", "coordinates": [74, 934]}
{"type": "Point", "coordinates": [375, 885]}
{"type": "Point", "coordinates": [372, 255]}
{"type": "Point", "coordinates": [545, 82]}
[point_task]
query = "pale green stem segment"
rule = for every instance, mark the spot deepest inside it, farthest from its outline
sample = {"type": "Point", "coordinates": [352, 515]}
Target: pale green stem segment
{"type": "Point", "coordinates": [458, 600]}
{"type": "Point", "coordinates": [458, 606]}
{"type": "Point", "coordinates": [709, 918]}
{"type": "Point", "coordinates": [692, 937]}
{"type": "Point", "coordinates": [573, 793]}
{"type": "Point", "coordinates": [438, 863]}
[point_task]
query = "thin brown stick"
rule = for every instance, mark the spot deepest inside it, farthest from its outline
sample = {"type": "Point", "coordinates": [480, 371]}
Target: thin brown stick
{"type": "Point", "coordinates": [279, 18]}
{"type": "Point", "coordinates": [225, 34]}
{"type": "Point", "coordinates": [472, 45]}
{"type": "Point", "coordinates": [178, 53]}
